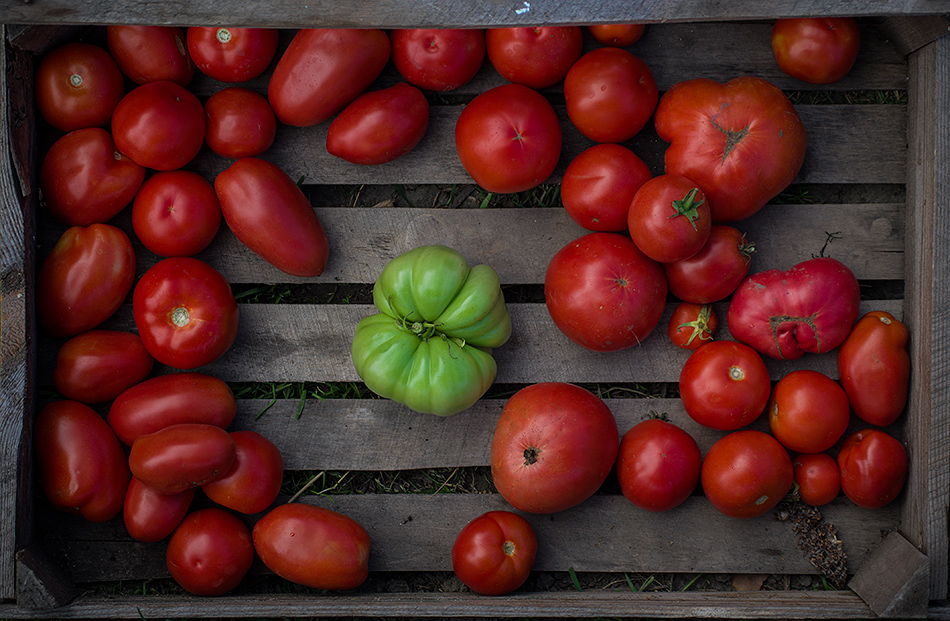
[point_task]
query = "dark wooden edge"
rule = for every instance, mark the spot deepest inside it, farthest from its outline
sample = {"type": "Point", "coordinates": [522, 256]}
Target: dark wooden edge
{"type": "Point", "coordinates": [909, 33]}
{"type": "Point", "coordinates": [894, 580]}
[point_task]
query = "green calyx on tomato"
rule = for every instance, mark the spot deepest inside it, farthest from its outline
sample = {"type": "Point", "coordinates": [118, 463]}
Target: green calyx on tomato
{"type": "Point", "coordinates": [429, 346]}
{"type": "Point", "coordinates": [688, 206]}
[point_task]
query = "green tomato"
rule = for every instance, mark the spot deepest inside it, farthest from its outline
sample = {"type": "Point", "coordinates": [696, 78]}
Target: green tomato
{"type": "Point", "coordinates": [429, 347]}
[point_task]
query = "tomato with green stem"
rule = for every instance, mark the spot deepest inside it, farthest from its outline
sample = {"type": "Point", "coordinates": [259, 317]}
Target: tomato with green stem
{"type": "Point", "coordinates": [692, 325]}
{"type": "Point", "coordinates": [669, 218]}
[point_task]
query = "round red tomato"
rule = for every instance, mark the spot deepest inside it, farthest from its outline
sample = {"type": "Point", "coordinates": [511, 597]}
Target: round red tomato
{"type": "Point", "coordinates": [724, 385]}
{"type": "Point", "coordinates": [599, 185]}
{"type": "Point", "coordinates": [98, 365]}
{"type": "Point", "coordinates": [537, 56]}
{"type": "Point", "coordinates": [379, 126]}
{"type": "Point", "coordinates": [508, 139]}
{"type": "Point", "coordinates": [313, 546]}
{"type": "Point", "coordinates": [603, 293]}
{"type": "Point", "coordinates": [873, 468]}
{"type": "Point", "coordinates": [692, 325]}
{"type": "Point", "coordinates": [150, 516]}
{"type": "Point", "coordinates": [819, 50]}
{"type": "Point", "coordinates": [713, 273]}
{"type": "Point", "coordinates": [252, 483]}
{"type": "Point", "coordinates": [617, 35]}
{"type": "Point", "coordinates": [817, 477]}
{"type": "Point", "coordinates": [658, 465]}
{"type": "Point", "coordinates": [808, 411]}
{"type": "Point", "coordinates": [77, 85]}
{"type": "Point", "coordinates": [610, 94]}
{"type": "Point", "coordinates": [239, 123]}
{"type": "Point", "coordinates": [176, 213]}
{"type": "Point", "coordinates": [231, 54]}
{"type": "Point", "coordinates": [151, 53]}
{"type": "Point", "coordinates": [553, 447]}
{"type": "Point", "coordinates": [669, 218]}
{"type": "Point", "coordinates": [494, 553]}
{"type": "Point", "coordinates": [438, 59]}
{"type": "Point", "coordinates": [746, 473]}
{"type": "Point", "coordinates": [185, 312]}
{"type": "Point", "coordinates": [210, 552]}
{"type": "Point", "coordinates": [181, 456]}
{"type": "Point", "coordinates": [85, 279]}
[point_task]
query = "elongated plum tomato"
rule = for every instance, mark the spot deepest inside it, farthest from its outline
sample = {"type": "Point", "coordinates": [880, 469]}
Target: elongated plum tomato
{"type": "Point", "coordinates": [438, 59]}
{"type": "Point", "coordinates": [494, 553]}
{"type": "Point", "coordinates": [151, 516]}
{"type": "Point", "coordinates": [97, 365]}
{"type": "Point", "coordinates": [77, 85]}
{"type": "Point", "coordinates": [746, 473]}
{"type": "Point", "coordinates": [252, 483]}
{"type": "Point", "coordinates": [181, 456]}
{"type": "Point", "coordinates": [658, 465]}
{"type": "Point", "coordinates": [210, 552]}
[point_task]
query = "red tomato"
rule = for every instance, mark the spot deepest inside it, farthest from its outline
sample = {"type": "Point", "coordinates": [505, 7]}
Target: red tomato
{"type": "Point", "coordinates": [160, 125]}
{"type": "Point", "coordinates": [692, 325]}
{"type": "Point", "coordinates": [817, 477]}
{"type": "Point", "coordinates": [313, 546]}
{"type": "Point", "coordinates": [669, 218]}
{"type": "Point", "coordinates": [610, 94]}
{"type": "Point", "coordinates": [724, 385]}
{"type": "Point", "coordinates": [210, 552]}
{"type": "Point", "coordinates": [185, 312]}
{"type": "Point", "coordinates": [494, 553]}
{"type": "Point", "coordinates": [85, 179]}
{"type": "Point", "coordinates": [322, 70]}
{"type": "Point", "coordinates": [77, 85]}
{"type": "Point", "coordinates": [599, 185]}
{"type": "Point", "coordinates": [658, 465]}
{"type": "Point", "coordinates": [819, 50]}
{"type": "Point", "coordinates": [380, 126]}
{"type": "Point", "coordinates": [873, 468]}
{"type": "Point", "coordinates": [553, 447]}
{"type": "Point", "coordinates": [151, 53]}
{"type": "Point", "coordinates": [82, 467]}
{"type": "Point", "coordinates": [603, 293]}
{"type": "Point", "coordinates": [239, 123]}
{"type": "Point", "coordinates": [97, 365]}
{"type": "Point", "coordinates": [746, 473]}
{"type": "Point", "coordinates": [617, 35]}
{"type": "Point", "coordinates": [150, 516]}
{"type": "Point", "coordinates": [537, 57]}
{"type": "Point", "coordinates": [742, 142]}
{"type": "Point", "coordinates": [874, 365]}
{"type": "Point", "coordinates": [508, 139]}
{"type": "Point", "coordinates": [254, 479]}
{"type": "Point", "coordinates": [176, 213]}
{"type": "Point", "coordinates": [85, 279]}
{"type": "Point", "coordinates": [181, 456]}
{"type": "Point", "coordinates": [165, 400]}
{"type": "Point", "coordinates": [808, 411]}
{"type": "Point", "coordinates": [231, 54]}
{"type": "Point", "coordinates": [713, 273]}
{"type": "Point", "coordinates": [270, 214]}
{"type": "Point", "coordinates": [438, 59]}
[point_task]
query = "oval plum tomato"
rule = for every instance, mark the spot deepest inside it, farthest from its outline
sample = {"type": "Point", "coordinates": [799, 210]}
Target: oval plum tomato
{"type": "Point", "coordinates": [379, 126]}
{"type": "Point", "coordinates": [713, 273]}
{"type": "Point", "coordinates": [746, 473]}
{"type": "Point", "coordinates": [537, 57]}
{"type": "Point", "coordinates": [658, 465]}
{"type": "Point", "coordinates": [185, 312]}
{"type": "Point", "coordinates": [553, 447]}
{"type": "Point", "coordinates": [252, 483]}
{"type": "Point", "coordinates": [617, 35]}
{"type": "Point", "coordinates": [98, 365]}
{"type": "Point", "coordinates": [313, 546]}
{"type": "Point", "coordinates": [231, 54]}
{"type": "Point", "coordinates": [817, 477]}
{"type": "Point", "coordinates": [874, 366]}
{"type": "Point", "coordinates": [692, 325]}
{"type": "Point", "coordinates": [808, 411]}
{"type": "Point", "coordinates": [176, 213]}
{"type": "Point", "coordinates": [239, 123]}
{"type": "Point", "coordinates": [508, 139]}
{"type": "Point", "coordinates": [82, 467]}
{"type": "Point", "coordinates": [603, 293]}
{"type": "Point", "coordinates": [77, 85]}
{"type": "Point", "coordinates": [599, 185]}
{"type": "Point", "coordinates": [85, 279]}
{"type": "Point", "coordinates": [322, 70]}
{"type": "Point", "coordinates": [181, 456]}
{"type": "Point", "coordinates": [150, 516]}
{"type": "Point", "coordinates": [438, 59]}
{"type": "Point", "coordinates": [724, 385]}
{"type": "Point", "coordinates": [873, 468]}
{"type": "Point", "coordinates": [159, 125]}
{"type": "Point", "coordinates": [189, 397]}
{"type": "Point", "coordinates": [210, 552]}
{"type": "Point", "coordinates": [610, 94]}
{"type": "Point", "coordinates": [669, 218]}
{"type": "Point", "coordinates": [494, 553]}
{"type": "Point", "coordinates": [270, 214]}
{"type": "Point", "coordinates": [85, 179]}
{"type": "Point", "coordinates": [151, 53]}
{"type": "Point", "coordinates": [819, 50]}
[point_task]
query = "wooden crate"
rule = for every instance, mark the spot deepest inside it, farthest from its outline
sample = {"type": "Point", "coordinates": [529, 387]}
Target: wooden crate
{"type": "Point", "coordinates": [880, 170]}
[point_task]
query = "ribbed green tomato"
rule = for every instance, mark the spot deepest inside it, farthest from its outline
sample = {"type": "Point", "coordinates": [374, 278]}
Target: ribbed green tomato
{"type": "Point", "coordinates": [429, 347]}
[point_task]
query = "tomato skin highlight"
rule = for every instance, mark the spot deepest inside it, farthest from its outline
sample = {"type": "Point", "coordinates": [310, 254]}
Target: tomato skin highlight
{"type": "Point", "coordinates": [493, 554]}
{"type": "Point", "coordinates": [178, 457]}
{"type": "Point", "coordinates": [252, 483]}
{"type": "Point", "coordinates": [599, 185]}
{"type": "Point", "coordinates": [808, 411]}
{"type": "Point", "coordinates": [658, 465]}
{"type": "Point", "coordinates": [231, 54]}
{"type": "Point", "coordinates": [96, 366]}
{"type": "Point", "coordinates": [210, 552]}
{"type": "Point", "coordinates": [77, 85]}
{"type": "Point", "coordinates": [818, 478]}
{"type": "Point", "coordinates": [873, 468]}
{"type": "Point", "coordinates": [151, 53]}
{"type": "Point", "coordinates": [438, 59]}
{"type": "Point", "coordinates": [239, 123]}
{"type": "Point", "coordinates": [818, 50]}
{"type": "Point", "coordinates": [537, 57]}
{"type": "Point", "coordinates": [151, 516]}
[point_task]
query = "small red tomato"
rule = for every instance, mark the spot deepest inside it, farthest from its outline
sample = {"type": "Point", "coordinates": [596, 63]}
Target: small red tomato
{"type": "Point", "coordinates": [252, 483]}
{"type": "Point", "coordinates": [714, 272]}
{"type": "Point", "coordinates": [817, 477]}
{"type": "Point", "coordinates": [97, 365]}
{"type": "Point", "coordinates": [599, 185]}
{"type": "Point", "coordinates": [873, 468]}
{"type": "Point", "coordinates": [658, 465]}
{"type": "Point", "coordinates": [77, 85]}
{"type": "Point", "coordinates": [438, 59]}
{"type": "Point", "coordinates": [150, 516]}
{"type": "Point", "coordinates": [746, 473]}
{"type": "Point", "coordinates": [181, 456]}
{"type": "Point", "coordinates": [617, 35]}
{"type": "Point", "coordinates": [819, 50]}
{"type": "Point", "coordinates": [537, 57]}
{"type": "Point", "coordinates": [669, 218]}
{"type": "Point", "coordinates": [176, 213]}
{"type": "Point", "coordinates": [494, 553]}
{"type": "Point", "coordinates": [239, 123]}
{"type": "Point", "coordinates": [692, 325]}
{"type": "Point", "coordinates": [210, 552]}
{"type": "Point", "coordinates": [231, 54]}
{"type": "Point", "coordinates": [151, 53]}
{"type": "Point", "coordinates": [808, 411]}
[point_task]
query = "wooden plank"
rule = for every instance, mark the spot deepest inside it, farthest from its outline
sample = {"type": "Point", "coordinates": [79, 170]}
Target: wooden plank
{"type": "Point", "coordinates": [895, 580]}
